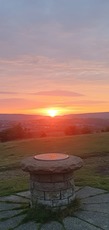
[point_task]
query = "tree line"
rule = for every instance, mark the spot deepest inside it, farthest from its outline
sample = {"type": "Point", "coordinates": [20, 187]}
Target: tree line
{"type": "Point", "coordinates": [14, 133]}
{"type": "Point", "coordinates": [17, 132]}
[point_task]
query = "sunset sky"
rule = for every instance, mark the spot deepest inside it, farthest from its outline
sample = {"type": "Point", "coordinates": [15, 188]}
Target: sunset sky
{"type": "Point", "coordinates": [54, 54]}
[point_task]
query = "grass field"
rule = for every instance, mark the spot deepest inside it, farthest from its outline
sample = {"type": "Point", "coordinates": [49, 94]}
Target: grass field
{"type": "Point", "coordinates": [93, 148]}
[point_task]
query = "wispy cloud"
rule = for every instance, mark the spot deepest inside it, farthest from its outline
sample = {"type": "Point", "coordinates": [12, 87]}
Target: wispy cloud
{"type": "Point", "coordinates": [42, 70]}
{"type": "Point", "coordinates": [21, 103]}
{"type": "Point", "coordinates": [55, 93]}
{"type": "Point", "coordinates": [58, 93]}
{"type": "Point", "coordinates": [9, 93]}
{"type": "Point", "coordinates": [41, 79]}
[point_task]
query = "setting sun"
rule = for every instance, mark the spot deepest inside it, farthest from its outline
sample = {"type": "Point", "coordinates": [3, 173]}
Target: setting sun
{"type": "Point", "coordinates": [52, 112]}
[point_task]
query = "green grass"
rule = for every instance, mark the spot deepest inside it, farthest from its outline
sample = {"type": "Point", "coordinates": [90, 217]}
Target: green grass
{"type": "Point", "coordinates": [13, 185]}
{"type": "Point", "coordinates": [93, 148]}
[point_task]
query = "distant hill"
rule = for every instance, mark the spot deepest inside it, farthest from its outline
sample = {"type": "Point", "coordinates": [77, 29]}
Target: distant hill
{"type": "Point", "coordinates": [24, 117]}
{"type": "Point", "coordinates": [18, 117]}
{"type": "Point", "coordinates": [101, 115]}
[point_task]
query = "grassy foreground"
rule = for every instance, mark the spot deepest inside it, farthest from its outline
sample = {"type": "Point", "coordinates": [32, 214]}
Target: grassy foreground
{"type": "Point", "coordinates": [93, 148]}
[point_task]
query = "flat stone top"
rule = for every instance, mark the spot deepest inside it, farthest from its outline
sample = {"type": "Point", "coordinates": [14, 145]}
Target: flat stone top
{"type": "Point", "coordinates": [69, 164]}
{"type": "Point", "coordinates": [51, 156]}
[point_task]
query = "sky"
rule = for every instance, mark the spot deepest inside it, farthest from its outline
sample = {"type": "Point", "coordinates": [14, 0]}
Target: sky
{"type": "Point", "coordinates": [54, 54]}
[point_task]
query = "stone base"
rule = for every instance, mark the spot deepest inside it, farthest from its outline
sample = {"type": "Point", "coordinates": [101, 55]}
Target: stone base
{"type": "Point", "coordinates": [55, 190]}
{"type": "Point", "coordinates": [51, 181]}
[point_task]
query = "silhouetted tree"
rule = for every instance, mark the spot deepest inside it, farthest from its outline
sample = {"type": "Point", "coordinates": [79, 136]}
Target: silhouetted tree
{"type": "Point", "coordinates": [14, 133]}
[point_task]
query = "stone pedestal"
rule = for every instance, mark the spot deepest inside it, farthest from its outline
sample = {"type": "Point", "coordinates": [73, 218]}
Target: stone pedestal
{"type": "Point", "coordinates": [51, 181]}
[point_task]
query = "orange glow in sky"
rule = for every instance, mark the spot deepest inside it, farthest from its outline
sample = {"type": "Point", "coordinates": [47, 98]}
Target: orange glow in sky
{"type": "Point", "coordinates": [56, 62]}
{"type": "Point", "coordinates": [52, 112]}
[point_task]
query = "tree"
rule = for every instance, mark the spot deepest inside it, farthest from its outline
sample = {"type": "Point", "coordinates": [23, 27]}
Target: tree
{"type": "Point", "coordinates": [13, 133]}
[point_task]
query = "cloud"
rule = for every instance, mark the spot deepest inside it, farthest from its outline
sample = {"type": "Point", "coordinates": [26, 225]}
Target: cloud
{"type": "Point", "coordinates": [83, 103]}
{"type": "Point", "coordinates": [36, 69]}
{"type": "Point", "coordinates": [57, 29]}
{"type": "Point", "coordinates": [9, 93]}
{"type": "Point", "coordinates": [54, 47]}
{"type": "Point", "coordinates": [22, 103]}
{"type": "Point", "coordinates": [44, 82]}
{"type": "Point", "coordinates": [58, 93]}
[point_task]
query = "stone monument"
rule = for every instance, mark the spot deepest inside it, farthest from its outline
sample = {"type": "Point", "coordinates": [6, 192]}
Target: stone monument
{"type": "Point", "coordinates": [51, 178]}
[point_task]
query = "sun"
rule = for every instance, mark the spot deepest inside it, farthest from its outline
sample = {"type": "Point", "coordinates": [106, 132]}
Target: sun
{"type": "Point", "coordinates": [52, 112]}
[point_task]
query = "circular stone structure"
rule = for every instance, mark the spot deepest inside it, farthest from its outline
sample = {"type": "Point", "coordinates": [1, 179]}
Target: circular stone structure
{"type": "Point", "coordinates": [51, 178]}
